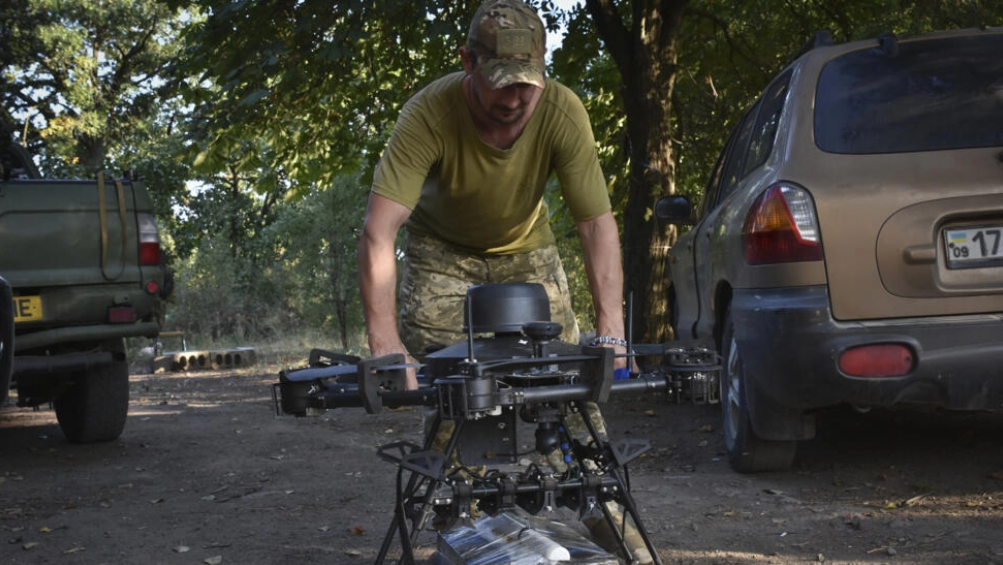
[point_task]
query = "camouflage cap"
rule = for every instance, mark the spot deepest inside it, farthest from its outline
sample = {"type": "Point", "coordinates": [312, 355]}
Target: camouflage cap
{"type": "Point", "coordinates": [508, 40]}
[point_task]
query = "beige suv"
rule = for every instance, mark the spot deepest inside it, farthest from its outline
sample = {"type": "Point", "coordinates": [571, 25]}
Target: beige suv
{"type": "Point", "coordinates": [849, 246]}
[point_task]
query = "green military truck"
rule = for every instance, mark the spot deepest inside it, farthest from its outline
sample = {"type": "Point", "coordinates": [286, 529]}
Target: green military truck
{"type": "Point", "coordinates": [85, 271]}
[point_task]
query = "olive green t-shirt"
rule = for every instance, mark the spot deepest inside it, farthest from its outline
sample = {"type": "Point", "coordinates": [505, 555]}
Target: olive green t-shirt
{"type": "Point", "coordinates": [479, 198]}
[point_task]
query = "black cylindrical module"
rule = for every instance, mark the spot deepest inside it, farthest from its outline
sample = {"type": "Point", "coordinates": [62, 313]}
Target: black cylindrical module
{"type": "Point", "coordinates": [480, 394]}
{"type": "Point", "coordinates": [505, 308]}
{"type": "Point", "coordinates": [296, 395]}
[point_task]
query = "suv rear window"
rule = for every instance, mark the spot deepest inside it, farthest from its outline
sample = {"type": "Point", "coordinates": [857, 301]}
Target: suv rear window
{"type": "Point", "coordinates": [928, 95]}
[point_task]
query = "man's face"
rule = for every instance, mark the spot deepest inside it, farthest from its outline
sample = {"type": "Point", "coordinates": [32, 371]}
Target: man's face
{"type": "Point", "coordinates": [504, 106]}
{"type": "Point", "coordinates": [507, 105]}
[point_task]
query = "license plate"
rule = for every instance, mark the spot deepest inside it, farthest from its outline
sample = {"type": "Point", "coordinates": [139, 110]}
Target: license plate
{"type": "Point", "coordinates": [27, 308]}
{"type": "Point", "coordinates": [974, 246]}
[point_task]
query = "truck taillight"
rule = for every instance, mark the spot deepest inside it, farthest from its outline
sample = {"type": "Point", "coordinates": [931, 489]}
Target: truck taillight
{"type": "Point", "coordinates": [122, 315]}
{"type": "Point", "coordinates": [149, 240]}
{"type": "Point", "coordinates": [781, 227]}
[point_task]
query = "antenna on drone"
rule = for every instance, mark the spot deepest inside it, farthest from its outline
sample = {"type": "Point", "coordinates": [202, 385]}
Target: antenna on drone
{"type": "Point", "coordinates": [630, 319]}
{"type": "Point", "coordinates": [470, 328]}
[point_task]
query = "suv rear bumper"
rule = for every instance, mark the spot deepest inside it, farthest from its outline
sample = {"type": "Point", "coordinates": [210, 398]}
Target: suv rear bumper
{"type": "Point", "coordinates": [790, 345]}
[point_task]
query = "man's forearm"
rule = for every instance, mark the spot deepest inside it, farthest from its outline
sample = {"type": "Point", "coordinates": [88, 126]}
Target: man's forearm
{"type": "Point", "coordinates": [378, 281]}
{"type": "Point", "coordinates": [378, 273]}
{"type": "Point", "coordinates": [601, 247]}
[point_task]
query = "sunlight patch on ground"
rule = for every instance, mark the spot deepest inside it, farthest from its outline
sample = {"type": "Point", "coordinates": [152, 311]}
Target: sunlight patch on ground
{"type": "Point", "coordinates": [875, 555]}
{"type": "Point", "coordinates": [196, 404]}
{"type": "Point", "coordinates": [967, 505]}
{"type": "Point", "coordinates": [25, 417]}
{"type": "Point", "coordinates": [146, 413]}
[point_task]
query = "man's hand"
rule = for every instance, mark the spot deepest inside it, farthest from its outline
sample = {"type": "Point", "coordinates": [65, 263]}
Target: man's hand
{"type": "Point", "coordinates": [621, 362]}
{"type": "Point", "coordinates": [411, 374]}
{"type": "Point", "coordinates": [411, 382]}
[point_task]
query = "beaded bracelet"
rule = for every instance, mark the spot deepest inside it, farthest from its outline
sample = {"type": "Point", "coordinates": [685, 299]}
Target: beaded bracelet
{"type": "Point", "coordinates": [608, 340]}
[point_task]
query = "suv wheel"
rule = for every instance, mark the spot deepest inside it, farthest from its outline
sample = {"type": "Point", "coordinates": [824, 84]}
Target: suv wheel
{"type": "Point", "coordinates": [747, 452]}
{"type": "Point", "coordinates": [95, 405]}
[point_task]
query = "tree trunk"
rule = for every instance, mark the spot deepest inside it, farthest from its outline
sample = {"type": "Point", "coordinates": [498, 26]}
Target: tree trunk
{"type": "Point", "coordinates": [91, 152]}
{"type": "Point", "coordinates": [338, 277]}
{"type": "Point", "coordinates": [234, 213]}
{"type": "Point", "coordinates": [646, 56]}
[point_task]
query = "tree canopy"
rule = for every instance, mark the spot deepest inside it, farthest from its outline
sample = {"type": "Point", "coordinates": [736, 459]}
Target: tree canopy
{"type": "Point", "coordinates": [308, 90]}
{"type": "Point", "coordinates": [84, 75]}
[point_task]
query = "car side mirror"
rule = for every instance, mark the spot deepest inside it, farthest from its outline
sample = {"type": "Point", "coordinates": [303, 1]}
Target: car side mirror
{"type": "Point", "coordinates": [674, 209]}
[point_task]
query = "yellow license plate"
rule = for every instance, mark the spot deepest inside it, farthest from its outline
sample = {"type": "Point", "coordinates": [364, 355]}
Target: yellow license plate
{"type": "Point", "coordinates": [27, 308]}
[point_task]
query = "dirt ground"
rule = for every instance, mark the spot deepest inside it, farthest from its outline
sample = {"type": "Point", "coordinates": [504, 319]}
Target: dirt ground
{"type": "Point", "coordinates": [205, 473]}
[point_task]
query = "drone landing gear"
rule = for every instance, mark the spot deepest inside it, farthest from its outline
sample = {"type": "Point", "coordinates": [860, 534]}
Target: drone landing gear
{"type": "Point", "coordinates": [590, 477]}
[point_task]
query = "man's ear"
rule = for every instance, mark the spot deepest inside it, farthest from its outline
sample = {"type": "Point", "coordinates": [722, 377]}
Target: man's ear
{"type": "Point", "coordinates": [467, 58]}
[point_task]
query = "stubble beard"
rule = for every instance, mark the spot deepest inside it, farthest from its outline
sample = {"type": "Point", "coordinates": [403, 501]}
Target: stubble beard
{"type": "Point", "coordinates": [497, 113]}
{"type": "Point", "coordinates": [505, 116]}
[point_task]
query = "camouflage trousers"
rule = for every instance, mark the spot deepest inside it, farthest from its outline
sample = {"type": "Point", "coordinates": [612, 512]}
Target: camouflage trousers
{"type": "Point", "coordinates": [435, 281]}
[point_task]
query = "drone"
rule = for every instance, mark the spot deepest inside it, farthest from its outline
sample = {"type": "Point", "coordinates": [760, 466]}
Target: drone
{"type": "Point", "coordinates": [512, 374]}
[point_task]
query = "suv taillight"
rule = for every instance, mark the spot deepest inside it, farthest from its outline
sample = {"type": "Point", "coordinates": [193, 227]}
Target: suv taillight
{"type": "Point", "coordinates": [149, 240]}
{"type": "Point", "coordinates": [781, 227]}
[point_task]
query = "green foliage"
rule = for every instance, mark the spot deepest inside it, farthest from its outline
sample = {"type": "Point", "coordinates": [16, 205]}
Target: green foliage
{"type": "Point", "coordinates": [582, 65]}
{"type": "Point", "coordinates": [83, 75]}
{"type": "Point", "coordinates": [218, 294]}
{"type": "Point", "coordinates": [228, 282]}
{"type": "Point", "coordinates": [223, 208]}
{"type": "Point", "coordinates": [317, 241]}
{"type": "Point", "coordinates": [319, 83]}
{"type": "Point", "coordinates": [295, 270]}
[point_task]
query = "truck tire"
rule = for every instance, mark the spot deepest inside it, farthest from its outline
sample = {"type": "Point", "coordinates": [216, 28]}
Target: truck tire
{"type": "Point", "coordinates": [95, 406]}
{"type": "Point", "coordinates": [747, 452]}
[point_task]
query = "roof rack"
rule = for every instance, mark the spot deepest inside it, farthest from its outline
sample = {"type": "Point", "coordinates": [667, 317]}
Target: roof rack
{"type": "Point", "coordinates": [818, 39]}
{"type": "Point", "coordinates": [889, 44]}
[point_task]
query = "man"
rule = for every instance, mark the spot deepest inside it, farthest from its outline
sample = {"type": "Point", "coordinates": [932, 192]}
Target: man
{"type": "Point", "coordinates": [465, 169]}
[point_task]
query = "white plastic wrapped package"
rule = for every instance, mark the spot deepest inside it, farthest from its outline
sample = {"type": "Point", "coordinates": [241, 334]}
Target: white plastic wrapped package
{"type": "Point", "coordinates": [515, 537]}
